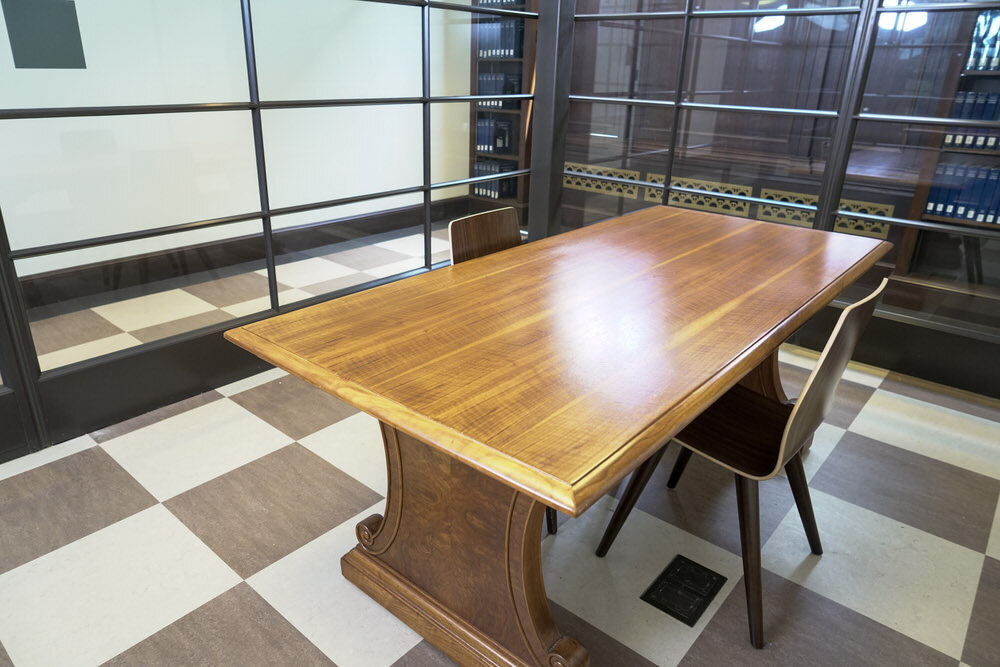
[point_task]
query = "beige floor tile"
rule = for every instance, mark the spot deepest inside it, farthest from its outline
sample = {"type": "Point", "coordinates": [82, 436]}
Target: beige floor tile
{"type": "Point", "coordinates": [310, 271]}
{"type": "Point", "coordinates": [262, 304]}
{"type": "Point", "coordinates": [364, 257]}
{"type": "Point", "coordinates": [95, 597]}
{"type": "Point", "coordinates": [97, 348]}
{"type": "Point", "coordinates": [413, 245]}
{"type": "Point", "coordinates": [152, 309]}
{"type": "Point", "coordinates": [182, 325]}
{"type": "Point", "coordinates": [307, 588]}
{"type": "Point", "coordinates": [942, 433]}
{"type": "Point", "coordinates": [605, 591]}
{"type": "Point", "coordinates": [859, 373]}
{"type": "Point", "coordinates": [387, 270]}
{"type": "Point", "coordinates": [181, 452]}
{"type": "Point", "coordinates": [355, 446]}
{"type": "Point", "coordinates": [993, 548]}
{"type": "Point", "coordinates": [912, 581]}
{"type": "Point", "coordinates": [154, 416]}
{"type": "Point", "coordinates": [251, 382]}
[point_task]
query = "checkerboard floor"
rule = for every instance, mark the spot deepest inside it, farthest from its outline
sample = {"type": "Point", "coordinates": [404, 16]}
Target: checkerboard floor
{"type": "Point", "coordinates": [209, 532]}
{"type": "Point", "coordinates": [84, 328]}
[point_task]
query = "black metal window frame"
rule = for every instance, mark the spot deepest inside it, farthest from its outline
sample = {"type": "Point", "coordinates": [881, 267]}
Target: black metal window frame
{"type": "Point", "coordinates": [23, 374]}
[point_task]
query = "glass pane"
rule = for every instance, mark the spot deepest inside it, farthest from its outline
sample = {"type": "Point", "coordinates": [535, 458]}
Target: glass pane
{"type": "Point", "coordinates": [87, 303]}
{"type": "Point", "coordinates": [581, 208]}
{"type": "Point", "coordinates": [481, 53]}
{"type": "Point", "coordinates": [311, 50]}
{"type": "Point", "coordinates": [328, 250]}
{"type": "Point", "coordinates": [327, 153]}
{"type": "Point", "coordinates": [918, 64]}
{"type": "Point", "coordinates": [619, 140]}
{"type": "Point", "coordinates": [465, 131]}
{"type": "Point", "coordinates": [133, 52]}
{"type": "Point", "coordinates": [771, 4]}
{"type": "Point", "coordinates": [627, 6]}
{"type": "Point", "coordinates": [760, 155]}
{"type": "Point", "coordinates": [66, 179]}
{"type": "Point", "coordinates": [774, 61]}
{"type": "Point", "coordinates": [626, 58]}
{"type": "Point", "coordinates": [521, 5]}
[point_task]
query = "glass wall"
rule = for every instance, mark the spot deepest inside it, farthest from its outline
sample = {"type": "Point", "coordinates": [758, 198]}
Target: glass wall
{"type": "Point", "coordinates": [746, 109]}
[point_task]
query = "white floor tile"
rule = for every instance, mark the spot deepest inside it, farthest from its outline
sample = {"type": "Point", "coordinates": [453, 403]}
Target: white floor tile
{"type": "Point", "coordinates": [394, 268]}
{"type": "Point", "coordinates": [948, 435]}
{"type": "Point", "coordinates": [413, 245]}
{"type": "Point", "coordinates": [909, 580]}
{"type": "Point", "coordinates": [84, 351]}
{"type": "Point", "coordinates": [870, 376]}
{"type": "Point", "coordinates": [354, 445]}
{"type": "Point", "coordinates": [47, 455]}
{"type": "Point", "coordinates": [253, 381]}
{"type": "Point", "coordinates": [307, 588]}
{"type": "Point", "coordinates": [263, 303]}
{"type": "Point", "coordinates": [181, 452]}
{"type": "Point", "coordinates": [824, 440]}
{"type": "Point", "coordinates": [92, 599]}
{"type": "Point", "coordinates": [309, 272]}
{"type": "Point", "coordinates": [993, 548]}
{"type": "Point", "coordinates": [153, 309]}
{"type": "Point", "coordinates": [605, 591]}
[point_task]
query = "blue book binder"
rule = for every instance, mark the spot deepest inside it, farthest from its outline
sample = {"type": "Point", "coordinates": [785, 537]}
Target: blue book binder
{"type": "Point", "coordinates": [993, 192]}
{"type": "Point", "coordinates": [934, 194]}
{"type": "Point", "coordinates": [953, 176]}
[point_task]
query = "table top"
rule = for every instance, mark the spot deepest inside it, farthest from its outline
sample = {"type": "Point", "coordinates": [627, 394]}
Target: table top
{"type": "Point", "coordinates": [560, 365]}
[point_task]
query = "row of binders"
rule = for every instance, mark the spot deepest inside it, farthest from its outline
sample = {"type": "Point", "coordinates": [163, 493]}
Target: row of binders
{"type": "Point", "coordinates": [499, 83]}
{"type": "Point", "coordinates": [495, 135]}
{"type": "Point", "coordinates": [501, 189]}
{"type": "Point", "coordinates": [971, 105]}
{"type": "Point", "coordinates": [501, 39]}
{"type": "Point", "coordinates": [984, 53]}
{"type": "Point", "coordinates": [965, 193]}
{"type": "Point", "coordinates": [505, 4]}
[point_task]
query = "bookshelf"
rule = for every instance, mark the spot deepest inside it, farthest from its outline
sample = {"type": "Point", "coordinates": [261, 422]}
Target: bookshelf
{"type": "Point", "coordinates": [503, 63]}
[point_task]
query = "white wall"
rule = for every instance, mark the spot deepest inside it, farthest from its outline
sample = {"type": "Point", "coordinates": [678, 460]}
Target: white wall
{"type": "Point", "coordinates": [65, 179]}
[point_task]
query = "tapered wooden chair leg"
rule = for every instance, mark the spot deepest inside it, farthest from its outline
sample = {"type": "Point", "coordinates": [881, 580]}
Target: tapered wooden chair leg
{"type": "Point", "coordinates": [747, 500]}
{"type": "Point", "coordinates": [625, 504]}
{"type": "Point", "coordinates": [800, 490]}
{"type": "Point", "coordinates": [551, 521]}
{"type": "Point", "coordinates": [678, 469]}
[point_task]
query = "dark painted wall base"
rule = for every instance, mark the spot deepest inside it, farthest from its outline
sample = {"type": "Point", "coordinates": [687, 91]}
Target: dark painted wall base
{"type": "Point", "coordinates": [948, 359]}
{"type": "Point", "coordinates": [13, 440]}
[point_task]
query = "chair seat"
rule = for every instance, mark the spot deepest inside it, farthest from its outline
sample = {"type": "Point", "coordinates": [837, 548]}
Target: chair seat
{"type": "Point", "coordinates": [742, 430]}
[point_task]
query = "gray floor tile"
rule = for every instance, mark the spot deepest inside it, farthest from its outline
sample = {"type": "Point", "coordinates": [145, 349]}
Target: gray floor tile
{"type": "Point", "coordinates": [603, 648]}
{"type": "Point", "coordinates": [69, 330]}
{"type": "Point", "coordinates": [328, 286]}
{"type": "Point", "coordinates": [236, 628]}
{"type": "Point", "coordinates": [847, 402]}
{"type": "Point", "coordinates": [937, 497]}
{"type": "Point", "coordinates": [704, 502]}
{"type": "Point", "coordinates": [121, 428]}
{"type": "Point", "coordinates": [424, 655]}
{"type": "Point", "coordinates": [365, 257]}
{"type": "Point", "coordinates": [4, 658]}
{"type": "Point", "coordinates": [982, 646]}
{"type": "Point", "coordinates": [973, 404]}
{"type": "Point", "coordinates": [293, 406]}
{"type": "Point", "coordinates": [268, 508]}
{"type": "Point", "coordinates": [182, 325]}
{"type": "Point", "coordinates": [48, 507]}
{"type": "Point", "coordinates": [803, 628]}
{"type": "Point", "coordinates": [231, 290]}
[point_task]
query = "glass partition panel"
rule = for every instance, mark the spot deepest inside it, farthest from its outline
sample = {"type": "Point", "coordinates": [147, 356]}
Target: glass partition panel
{"type": "Point", "coordinates": [626, 58]}
{"type": "Point", "coordinates": [627, 6]}
{"type": "Point", "coordinates": [719, 5]}
{"type": "Point", "coordinates": [316, 49]}
{"type": "Point", "coordinates": [626, 141]}
{"type": "Point", "coordinates": [490, 131]}
{"type": "Point", "coordinates": [773, 61]}
{"type": "Point", "coordinates": [319, 154]}
{"type": "Point", "coordinates": [87, 303]}
{"type": "Point", "coordinates": [68, 179]}
{"type": "Point", "coordinates": [123, 52]}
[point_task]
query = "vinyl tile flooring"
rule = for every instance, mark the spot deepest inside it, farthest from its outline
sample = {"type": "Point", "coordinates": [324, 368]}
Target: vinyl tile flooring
{"type": "Point", "coordinates": [209, 532]}
{"type": "Point", "coordinates": [84, 328]}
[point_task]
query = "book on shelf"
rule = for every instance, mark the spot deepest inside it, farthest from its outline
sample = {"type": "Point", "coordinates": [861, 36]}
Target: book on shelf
{"type": "Point", "coordinates": [965, 192]}
{"type": "Point", "coordinates": [984, 51]}
{"type": "Point", "coordinates": [495, 135]}
{"type": "Point", "coordinates": [500, 38]}
{"type": "Point", "coordinates": [497, 189]}
{"type": "Point", "coordinates": [972, 105]}
{"type": "Point", "coordinates": [499, 83]}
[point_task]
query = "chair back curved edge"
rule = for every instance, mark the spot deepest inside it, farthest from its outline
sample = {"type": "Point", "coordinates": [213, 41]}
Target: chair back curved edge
{"type": "Point", "coordinates": [817, 394]}
{"type": "Point", "coordinates": [483, 233]}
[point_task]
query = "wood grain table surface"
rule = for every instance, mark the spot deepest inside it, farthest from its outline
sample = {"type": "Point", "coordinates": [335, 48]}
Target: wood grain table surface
{"type": "Point", "coordinates": [558, 366]}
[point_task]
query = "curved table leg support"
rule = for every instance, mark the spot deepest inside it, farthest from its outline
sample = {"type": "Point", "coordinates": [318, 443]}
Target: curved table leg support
{"type": "Point", "coordinates": [457, 557]}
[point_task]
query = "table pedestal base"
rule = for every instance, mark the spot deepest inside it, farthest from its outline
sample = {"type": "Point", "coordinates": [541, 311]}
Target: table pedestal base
{"type": "Point", "coordinates": [457, 557]}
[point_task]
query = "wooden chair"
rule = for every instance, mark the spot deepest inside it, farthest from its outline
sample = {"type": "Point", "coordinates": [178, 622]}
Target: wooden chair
{"type": "Point", "coordinates": [481, 234]}
{"type": "Point", "coordinates": [755, 437]}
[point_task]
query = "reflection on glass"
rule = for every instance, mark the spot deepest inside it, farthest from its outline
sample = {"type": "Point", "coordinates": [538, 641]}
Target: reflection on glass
{"type": "Point", "coordinates": [494, 134]}
{"type": "Point", "coordinates": [626, 58]}
{"type": "Point", "coordinates": [481, 54]}
{"type": "Point", "coordinates": [520, 5]}
{"type": "Point", "coordinates": [141, 291]}
{"type": "Point", "coordinates": [619, 140]}
{"type": "Point", "coordinates": [772, 4]}
{"type": "Point", "coordinates": [135, 52]}
{"type": "Point", "coordinates": [319, 154]}
{"type": "Point", "coordinates": [67, 179]}
{"type": "Point", "coordinates": [627, 6]}
{"type": "Point", "coordinates": [305, 48]}
{"type": "Point", "coordinates": [772, 61]}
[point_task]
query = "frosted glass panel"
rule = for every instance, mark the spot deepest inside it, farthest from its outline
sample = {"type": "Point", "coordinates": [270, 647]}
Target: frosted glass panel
{"type": "Point", "coordinates": [67, 179]}
{"type": "Point", "coordinates": [321, 154]}
{"type": "Point", "coordinates": [139, 52]}
{"type": "Point", "coordinates": [317, 49]}
{"type": "Point", "coordinates": [451, 52]}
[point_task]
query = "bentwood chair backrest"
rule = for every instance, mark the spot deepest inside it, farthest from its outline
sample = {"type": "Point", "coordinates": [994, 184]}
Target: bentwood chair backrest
{"type": "Point", "coordinates": [483, 233]}
{"type": "Point", "coordinates": [816, 398]}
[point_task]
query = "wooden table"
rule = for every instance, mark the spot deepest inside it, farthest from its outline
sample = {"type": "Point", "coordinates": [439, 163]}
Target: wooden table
{"type": "Point", "coordinates": [542, 375]}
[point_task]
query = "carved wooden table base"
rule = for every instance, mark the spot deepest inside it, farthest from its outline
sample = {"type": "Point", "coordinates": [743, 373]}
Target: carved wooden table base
{"type": "Point", "coordinates": [457, 557]}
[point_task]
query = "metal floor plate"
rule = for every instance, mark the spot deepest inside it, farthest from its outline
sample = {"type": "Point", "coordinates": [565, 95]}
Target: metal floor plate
{"type": "Point", "coordinates": [684, 590]}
